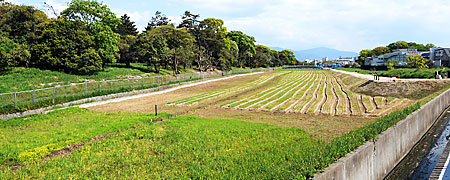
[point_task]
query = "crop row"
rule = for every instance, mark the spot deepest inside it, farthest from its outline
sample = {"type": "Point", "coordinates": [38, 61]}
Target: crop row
{"type": "Point", "coordinates": [203, 96]}
{"type": "Point", "coordinates": [318, 92]}
{"type": "Point", "coordinates": [269, 96]}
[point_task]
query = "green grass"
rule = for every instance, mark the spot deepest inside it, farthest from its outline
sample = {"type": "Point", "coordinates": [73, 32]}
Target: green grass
{"type": "Point", "coordinates": [200, 97]}
{"type": "Point", "coordinates": [403, 72]}
{"type": "Point", "coordinates": [45, 98]}
{"type": "Point", "coordinates": [36, 136]}
{"type": "Point", "coordinates": [285, 98]}
{"type": "Point", "coordinates": [184, 147]}
{"type": "Point", "coordinates": [21, 79]}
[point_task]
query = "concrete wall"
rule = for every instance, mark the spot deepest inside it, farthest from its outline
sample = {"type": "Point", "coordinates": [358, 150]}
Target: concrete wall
{"type": "Point", "coordinates": [375, 159]}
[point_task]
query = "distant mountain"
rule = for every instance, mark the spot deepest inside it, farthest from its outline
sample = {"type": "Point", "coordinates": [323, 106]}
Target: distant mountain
{"type": "Point", "coordinates": [319, 53]}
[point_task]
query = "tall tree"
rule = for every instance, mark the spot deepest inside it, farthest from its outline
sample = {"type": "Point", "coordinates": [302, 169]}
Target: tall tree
{"type": "Point", "coordinates": [20, 22]}
{"type": "Point", "coordinates": [102, 23]}
{"type": "Point", "coordinates": [68, 46]}
{"type": "Point", "coordinates": [12, 53]}
{"type": "Point", "coordinates": [152, 49]}
{"type": "Point", "coordinates": [363, 55]}
{"type": "Point", "coordinates": [380, 51]}
{"type": "Point", "coordinates": [180, 44]}
{"type": "Point", "coordinates": [127, 27]}
{"type": "Point", "coordinates": [262, 56]}
{"type": "Point", "coordinates": [212, 36]}
{"type": "Point", "coordinates": [158, 20]}
{"type": "Point", "coordinates": [287, 57]}
{"type": "Point", "coordinates": [398, 45]}
{"type": "Point", "coordinates": [192, 24]}
{"type": "Point", "coordinates": [127, 54]}
{"type": "Point", "coordinates": [246, 46]}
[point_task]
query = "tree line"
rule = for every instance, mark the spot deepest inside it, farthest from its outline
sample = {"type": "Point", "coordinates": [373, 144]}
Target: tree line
{"type": "Point", "coordinates": [363, 54]}
{"type": "Point", "coordinates": [87, 35]}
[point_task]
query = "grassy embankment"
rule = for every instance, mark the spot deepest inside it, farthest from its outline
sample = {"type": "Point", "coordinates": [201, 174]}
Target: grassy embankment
{"type": "Point", "coordinates": [403, 72]}
{"type": "Point", "coordinates": [21, 79]}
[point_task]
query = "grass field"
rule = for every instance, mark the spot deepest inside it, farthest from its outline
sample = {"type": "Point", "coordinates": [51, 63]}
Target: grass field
{"type": "Point", "coordinates": [201, 135]}
{"type": "Point", "coordinates": [21, 79]}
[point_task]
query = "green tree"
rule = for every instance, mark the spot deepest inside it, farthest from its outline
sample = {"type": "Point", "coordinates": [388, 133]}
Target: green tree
{"type": "Point", "coordinates": [398, 45]}
{"type": "Point", "coordinates": [191, 23]}
{"type": "Point", "coordinates": [158, 20]}
{"type": "Point", "coordinates": [102, 23]}
{"type": "Point", "coordinates": [65, 45]}
{"type": "Point", "coordinates": [152, 49]}
{"type": "Point", "coordinates": [246, 46]}
{"type": "Point", "coordinates": [20, 22]}
{"type": "Point", "coordinates": [127, 54]}
{"type": "Point", "coordinates": [12, 53]}
{"type": "Point", "coordinates": [263, 56]}
{"type": "Point", "coordinates": [380, 51]}
{"type": "Point", "coordinates": [391, 64]}
{"type": "Point", "coordinates": [213, 41]}
{"type": "Point", "coordinates": [4, 8]}
{"type": "Point", "coordinates": [364, 54]}
{"type": "Point", "coordinates": [275, 58]}
{"type": "Point", "coordinates": [429, 46]}
{"type": "Point", "coordinates": [416, 61]}
{"type": "Point", "coordinates": [180, 44]}
{"type": "Point", "coordinates": [287, 57]}
{"type": "Point", "coordinates": [127, 27]}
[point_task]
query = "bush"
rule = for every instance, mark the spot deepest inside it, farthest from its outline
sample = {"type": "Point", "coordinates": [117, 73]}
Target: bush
{"type": "Point", "coordinates": [67, 46]}
{"type": "Point", "coordinates": [11, 53]}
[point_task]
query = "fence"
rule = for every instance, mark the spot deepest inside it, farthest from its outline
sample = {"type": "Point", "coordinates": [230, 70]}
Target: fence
{"type": "Point", "coordinates": [25, 100]}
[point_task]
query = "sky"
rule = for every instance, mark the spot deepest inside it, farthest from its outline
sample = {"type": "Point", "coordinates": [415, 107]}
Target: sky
{"type": "Point", "coordinates": [350, 25]}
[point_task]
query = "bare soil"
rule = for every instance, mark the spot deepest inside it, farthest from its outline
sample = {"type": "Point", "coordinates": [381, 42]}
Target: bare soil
{"type": "Point", "coordinates": [412, 90]}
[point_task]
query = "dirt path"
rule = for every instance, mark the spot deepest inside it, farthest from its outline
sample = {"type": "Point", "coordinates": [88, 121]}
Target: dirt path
{"type": "Point", "coordinates": [160, 92]}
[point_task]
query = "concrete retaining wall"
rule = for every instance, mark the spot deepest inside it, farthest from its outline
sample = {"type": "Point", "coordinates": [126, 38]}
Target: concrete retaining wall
{"type": "Point", "coordinates": [375, 159]}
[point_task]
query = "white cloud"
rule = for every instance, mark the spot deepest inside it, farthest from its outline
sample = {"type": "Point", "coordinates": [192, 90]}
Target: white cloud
{"type": "Point", "coordinates": [58, 7]}
{"type": "Point", "coordinates": [141, 18]}
{"type": "Point", "coordinates": [345, 24]}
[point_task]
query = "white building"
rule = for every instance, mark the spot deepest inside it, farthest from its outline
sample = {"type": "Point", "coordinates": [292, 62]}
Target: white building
{"type": "Point", "coordinates": [346, 60]}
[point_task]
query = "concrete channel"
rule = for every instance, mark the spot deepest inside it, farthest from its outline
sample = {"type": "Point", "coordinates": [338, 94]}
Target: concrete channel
{"type": "Point", "coordinates": [427, 159]}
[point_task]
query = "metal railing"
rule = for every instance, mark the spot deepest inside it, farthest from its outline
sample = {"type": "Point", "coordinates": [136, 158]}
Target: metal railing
{"type": "Point", "coordinates": [74, 91]}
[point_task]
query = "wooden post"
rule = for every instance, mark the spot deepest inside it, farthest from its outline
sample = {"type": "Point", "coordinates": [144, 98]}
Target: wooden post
{"type": "Point", "coordinates": [156, 110]}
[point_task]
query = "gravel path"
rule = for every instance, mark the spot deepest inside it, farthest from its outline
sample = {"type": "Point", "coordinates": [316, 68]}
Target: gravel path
{"type": "Point", "coordinates": [160, 92]}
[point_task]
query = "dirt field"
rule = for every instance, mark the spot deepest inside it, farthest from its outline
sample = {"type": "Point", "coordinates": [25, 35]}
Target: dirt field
{"type": "Point", "coordinates": [320, 102]}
